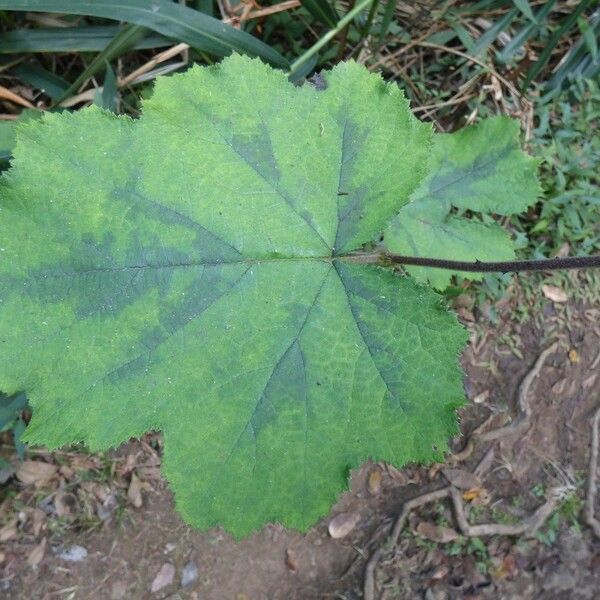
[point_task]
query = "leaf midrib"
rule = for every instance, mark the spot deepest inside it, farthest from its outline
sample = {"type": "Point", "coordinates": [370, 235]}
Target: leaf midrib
{"type": "Point", "coordinates": [353, 257]}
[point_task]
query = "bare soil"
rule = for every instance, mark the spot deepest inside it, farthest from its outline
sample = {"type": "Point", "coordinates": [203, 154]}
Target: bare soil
{"type": "Point", "coordinates": [90, 502]}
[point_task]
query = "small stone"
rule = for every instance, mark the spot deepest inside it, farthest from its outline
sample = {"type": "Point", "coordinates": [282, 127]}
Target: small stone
{"type": "Point", "coordinates": [163, 578]}
{"type": "Point", "coordinates": [73, 553]}
{"type": "Point", "coordinates": [341, 525]}
{"type": "Point", "coordinates": [118, 590]}
{"type": "Point", "coordinates": [189, 574]}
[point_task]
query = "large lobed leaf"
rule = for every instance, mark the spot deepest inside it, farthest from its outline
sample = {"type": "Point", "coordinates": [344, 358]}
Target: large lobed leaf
{"type": "Point", "coordinates": [194, 272]}
{"type": "Point", "coordinates": [479, 169]}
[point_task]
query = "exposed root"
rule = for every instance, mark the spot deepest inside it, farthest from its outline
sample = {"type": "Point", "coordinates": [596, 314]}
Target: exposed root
{"type": "Point", "coordinates": [517, 427]}
{"type": "Point", "coordinates": [521, 425]}
{"type": "Point", "coordinates": [529, 526]}
{"type": "Point", "coordinates": [590, 499]}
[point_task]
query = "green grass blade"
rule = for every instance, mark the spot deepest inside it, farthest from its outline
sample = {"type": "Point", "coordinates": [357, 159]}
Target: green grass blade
{"type": "Point", "coordinates": [205, 6]}
{"type": "Point", "coordinates": [369, 22]}
{"type": "Point", "coordinates": [107, 97]}
{"type": "Point", "coordinates": [544, 57]}
{"type": "Point", "coordinates": [70, 39]}
{"type": "Point", "coordinates": [525, 33]}
{"type": "Point", "coordinates": [172, 20]}
{"type": "Point", "coordinates": [494, 31]}
{"type": "Point", "coordinates": [525, 8]}
{"type": "Point", "coordinates": [345, 20]}
{"type": "Point", "coordinates": [388, 15]}
{"type": "Point", "coordinates": [127, 36]}
{"type": "Point", "coordinates": [322, 11]}
{"type": "Point", "coordinates": [52, 85]}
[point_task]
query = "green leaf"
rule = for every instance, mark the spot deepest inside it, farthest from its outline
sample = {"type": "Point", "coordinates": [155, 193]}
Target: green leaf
{"type": "Point", "coordinates": [70, 39]}
{"type": "Point", "coordinates": [124, 40]}
{"type": "Point", "coordinates": [323, 11]}
{"type": "Point", "coordinates": [45, 81]}
{"type": "Point", "coordinates": [194, 272]}
{"type": "Point", "coordinates": [163, 16]}
{"type": "Point", "coordinates": [479, 168]}
{"type": "Point", "coordinates": [7, 131]}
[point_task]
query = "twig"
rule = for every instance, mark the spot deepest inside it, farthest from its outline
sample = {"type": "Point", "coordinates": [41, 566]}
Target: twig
{"type": "Point", "coordinates": [528, 527]}
{"type": "Point", "coordinates": [160, 57]}
{"type": "Point", "coordinates": [590, 498]}
{"type": "Point", "coordinates": [521, 425]}
{"type": "Point", "coordinates": [369, 584]}
{"type": "Point", "coordinates": [7, 94]}
{"type": "Point", "coordinates": [263, 12]}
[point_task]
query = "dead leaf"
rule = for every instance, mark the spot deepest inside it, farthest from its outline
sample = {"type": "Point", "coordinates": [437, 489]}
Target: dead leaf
{"type": "Point", "coordinates": [439, 574]}
{"type": "Point", "coordinates": [65, 504]}
{"type": "Point", "coordinates": [39, 521]}
{"type": "Point", "coordinates": [134, 493]}
{"type": "Point", "coordinates": [554, 293]}
{"type": "Point", "coordinates": [341, 525]}
{"type": "Point", "coordinates": [397, 475]}
{"type": "Point", "coordinates": [559, 387]}
{"type": "Point", "coordinates": [67, 472]}
{"type": "Point", "coordinates": [436, 533]}
{"type": "Point", "coordinates": [163, 578]}
{"type": "Point", "coordinates": [9, 531]}
{"type": "Point", "coordinates": [461, 479]}
{"type": "Point", "coordinates": [471, 494]}
{"type": "Point", "coordinates": [291, 560]}
{"type": "Point", "coordinates": [85, 463]}
{"type": "Point", "coordinates": [465, 314]}
{"type": "Point", "coordinates": [574, 355]}
{"type": "Point", "coordinates": [374, 481]}
{"type": "Point", "coordinates": [481, 397]}
{"type": "Point", "coordinates": [36, 555]}
{"type": "Point", "coordinates": [32, 471]}
{"type": "Point", "coordinates": [147, 473]}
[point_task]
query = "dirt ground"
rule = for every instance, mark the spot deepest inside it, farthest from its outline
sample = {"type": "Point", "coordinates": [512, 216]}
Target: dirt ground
{"type": "Point", "coordinates": [118, 508]}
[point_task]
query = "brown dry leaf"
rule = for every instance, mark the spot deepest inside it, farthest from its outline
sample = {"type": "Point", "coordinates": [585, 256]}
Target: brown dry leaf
{"type": "Point", "coordinates": [85, 463]}
{"type": "Point", "coordinates": [291, 560]}
{"type": "Point", "coordinates": [148, 473]}
{"type": "Point", "coordinates": [9, 531]}
{"type": "Point", "coordinates": [574, 356]}
{"type": "Point", "coordinates": [374, 481]}
{"type": "Point", "coordinates": [341, 525]}
{"type": "Point", "coordinates": [461, 479]}
{"type": "Point", "coordinates": [465, 314]}
{"type": "Point", "coordinates": [505, 567]}
{"type": "Point", "coordinates": [436, 533]}
{"type": "Point", "coordinates": [32, 471]}
{"type": "Point", "coordinates": [559, 387]}
{"type": "Point", "coordinates": [473, 493]}
{"type": "Point", "coordinates": [554, 293]}
{"type": "Point", "coordinates": [397, 475]}
{"type": "Point", "coordinates": [163, 578]}
{"type": "Point", "coordinates": [36, 555]}
{"type": "Point", "coordinates": [65, 503]}
{"type": "Point", "coordinates": [134, 493]}
{"type": "Point", "coordinates": [67, 472]}
{"type": "Point", "coordinates": [481, 397]}
{"type": "Point", "coordinates": [39, 521]}
{"type": "Point", "coordinates": [480, 498]}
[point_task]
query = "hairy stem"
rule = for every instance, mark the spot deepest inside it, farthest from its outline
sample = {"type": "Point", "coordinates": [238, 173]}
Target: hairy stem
{"type": "Point", "coordinates": [512, 266]}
